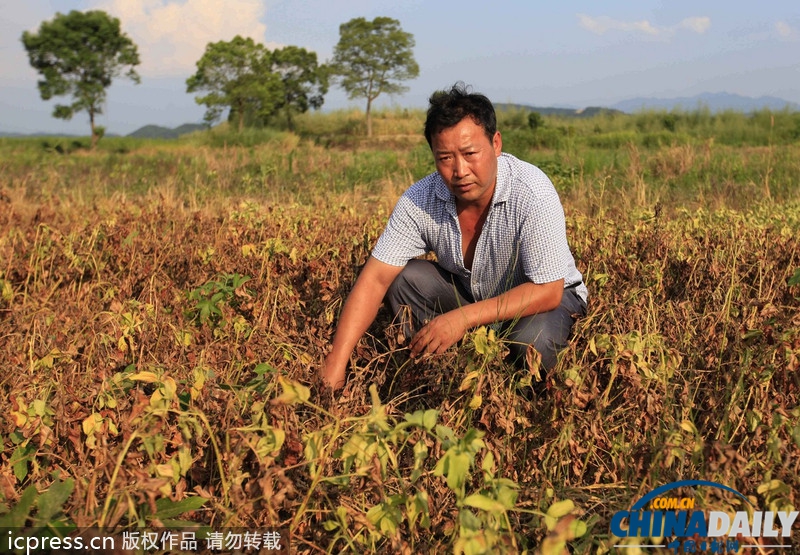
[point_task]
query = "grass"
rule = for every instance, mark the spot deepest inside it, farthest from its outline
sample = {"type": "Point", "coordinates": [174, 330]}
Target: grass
{"type": "Point", "coordinates": [165, 306]}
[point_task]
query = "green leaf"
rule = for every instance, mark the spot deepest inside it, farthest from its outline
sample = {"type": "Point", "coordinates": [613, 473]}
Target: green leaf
{"type": "Point", "coordinates": [507, 494]}
{"type": "Point", "coordinates": [445, 434]}
{"type": "Point", "coordinates": [271, 442]}
{"type": "Point", "coordinates": [167, 508]}
{"type": "Point", "coordinates": [376, 513]}
{"type": "Point", "coordinates": [455, 466]}
{"type": "Point", "coordinates": [488, 463]}
{"type": "Point", "coordinates": [468, 521]}
{"type": "Point", "coordinates": [417, 508]}
{"type": "Point", "coordinates": [6, 291]}
{"type": "Point", "coordinates": [420, 453]}
{"type": "Point", "coordinates": [264, 368]}
{"type": "Point", "coordinates": [561, 508]}
{"type": "Point", "coordinates": [40, 408]}
{"type": "Point", "coordinates": [484, 503]}
{"type": "Point", "coordinates": [429, 418]}
{"type": "Point", "coordinates": [556, 511]}
{"type": "Point", "coordinates": [414, 418]}
{"type": "Point", "coordinates": [293, 392]}
{"type": "Point", "coordinates": [577, 528]}
{"type": "Point", "coordinates": [330, 525]}
{"type": "Point", "coordinates": [424, 419]}
{"type": "Point", "coordinates": [480, 341]}
{"type": "Point", "coordinates": [795, 279]}
{"type": "Point", "coordinates": [19, 514]}
{"type": "Point", "coordinates": [20, 459]}
{"type": "Point", "coordinates": [388, 525]}
{"type": "Point", "coordinates": [52, 501]}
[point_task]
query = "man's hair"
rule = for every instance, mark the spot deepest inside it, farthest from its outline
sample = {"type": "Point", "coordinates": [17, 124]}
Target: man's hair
{"type": "Point", "coordinates": [447, 108]}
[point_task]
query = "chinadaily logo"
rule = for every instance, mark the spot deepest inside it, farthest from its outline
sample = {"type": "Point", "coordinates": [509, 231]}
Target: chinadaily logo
{"type": "Point", "coordinates": [687, 529]}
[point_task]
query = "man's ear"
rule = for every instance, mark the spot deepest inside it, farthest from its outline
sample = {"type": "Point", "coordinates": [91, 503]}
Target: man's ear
{"type": "Point", "coordinates": [497, 143]}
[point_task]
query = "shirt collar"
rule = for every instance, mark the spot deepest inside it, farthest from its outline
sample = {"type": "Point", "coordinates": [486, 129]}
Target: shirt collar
{"type": "Point", "coordinates": [502, 190]}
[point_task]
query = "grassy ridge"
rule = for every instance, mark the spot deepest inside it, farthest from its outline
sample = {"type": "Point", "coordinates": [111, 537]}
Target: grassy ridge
{"type": "Point", "coordinates": [165, 306]}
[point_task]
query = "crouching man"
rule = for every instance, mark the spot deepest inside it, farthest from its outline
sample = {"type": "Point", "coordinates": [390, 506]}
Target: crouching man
{"type": "Point", "coordinates": [496, 226]}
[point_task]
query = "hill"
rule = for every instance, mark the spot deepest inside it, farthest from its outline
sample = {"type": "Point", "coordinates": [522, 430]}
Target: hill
{"type": "Point", "coordinates": [715, 102]}
{"type": "Point", "coordinates": [42, 134]}
{"type": "Point", "coordinates": [565, 112]}
{"type": "Point", "coordinates": [159, 132]}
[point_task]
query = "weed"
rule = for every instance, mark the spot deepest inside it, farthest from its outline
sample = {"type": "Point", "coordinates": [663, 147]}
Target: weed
{"type": "Point", "coordinates": [227, 289]}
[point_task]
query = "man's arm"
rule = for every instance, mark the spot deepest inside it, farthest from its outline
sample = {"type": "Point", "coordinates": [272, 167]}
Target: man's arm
{"type": "Point", "coordinates": [359, 312]}
{"type": "Point", "coordinates": [526, 299]}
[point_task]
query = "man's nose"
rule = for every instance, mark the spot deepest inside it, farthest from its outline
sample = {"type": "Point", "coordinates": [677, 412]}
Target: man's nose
{"type": "Point", "coordinates": [459, 167]}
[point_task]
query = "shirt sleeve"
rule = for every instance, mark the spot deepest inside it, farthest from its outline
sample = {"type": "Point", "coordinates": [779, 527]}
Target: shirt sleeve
{"type": "Point", "coordinates": [544, 249]}
{"type": "Point", "coordinates": [402, 238]}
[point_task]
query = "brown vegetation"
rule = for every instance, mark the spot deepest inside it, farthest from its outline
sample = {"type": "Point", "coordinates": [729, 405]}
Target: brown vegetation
{"type": "Point", "coordinates": [162, 346]}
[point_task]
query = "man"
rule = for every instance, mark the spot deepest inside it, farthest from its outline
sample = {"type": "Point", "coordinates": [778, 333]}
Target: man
{"type": "Point", "coordinates": [496, 226]}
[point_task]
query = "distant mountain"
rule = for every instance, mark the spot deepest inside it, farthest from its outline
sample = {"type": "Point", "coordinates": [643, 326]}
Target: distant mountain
{"type": "Point", "coordinates": [715, 102]}
{"type": "Point", "coordinates": [565, 112]}
{"type": "Point", "coordinates": [49, 135]}
{"type": "Point", "coordinates": [146, 132]}
{"type": "Point", "coordinates": [11, 135]}
{"type": "Point", "coordinates": [159, 132]}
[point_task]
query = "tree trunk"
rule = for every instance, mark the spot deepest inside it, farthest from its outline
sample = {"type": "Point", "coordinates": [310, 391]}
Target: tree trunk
{"type": "Point", "coordinates": [94, 131]}
{"type": "Point", "coordinates": [369, 117]}
{"type": "Point", "coordinates": [289, 121]}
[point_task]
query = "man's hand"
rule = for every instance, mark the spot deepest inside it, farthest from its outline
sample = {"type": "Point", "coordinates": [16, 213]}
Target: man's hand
{"type": "Point", "coordinates": [333, 375]}
{"type": "Point", "coordinates": [525, 299]}
{"type": "Point", "coordinates": [439, 334]}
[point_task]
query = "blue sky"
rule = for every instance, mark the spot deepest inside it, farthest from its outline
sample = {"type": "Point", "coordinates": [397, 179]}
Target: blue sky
{"type": "Point", "coordinates": [582, 53]}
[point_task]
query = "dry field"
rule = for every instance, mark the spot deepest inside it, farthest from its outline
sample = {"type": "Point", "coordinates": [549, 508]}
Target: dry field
{"type": "Point", "coordinates": [164, 309]}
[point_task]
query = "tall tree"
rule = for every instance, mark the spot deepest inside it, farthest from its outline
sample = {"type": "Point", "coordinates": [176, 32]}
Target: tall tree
{"type": "Point", "coordinates": [372, 58]}
{"type": "Point", "coordinates": [304, 81]}
{"type": "Point", "coordinates": [79, 54]}
{"type": "Point", "coordinates": [236, 74]}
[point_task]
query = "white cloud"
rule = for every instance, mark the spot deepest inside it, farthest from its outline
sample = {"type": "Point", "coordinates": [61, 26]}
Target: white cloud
{"type": "Point", "coordinates": [786, 31]}
{"type": "Point", "coordinates": [697, 24]}
{"type": "Point", "coordinates": [603, 24]}
{"type": "Point", "coordinates": [172, 36]}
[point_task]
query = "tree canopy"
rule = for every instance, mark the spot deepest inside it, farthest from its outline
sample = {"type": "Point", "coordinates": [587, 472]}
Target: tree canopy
{"type": "Point", "coordinates": [304, 81]}
{"type": "Point", "coordinates": [256, 83]}
{"type": "Point", "coordinates": [79, 54]}
{"type": "Point", "coordinates": [372, 58]}
{"type": "Point", "coordinates": [236, 74]}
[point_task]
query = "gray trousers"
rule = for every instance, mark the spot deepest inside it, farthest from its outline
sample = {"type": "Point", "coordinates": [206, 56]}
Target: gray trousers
{"type": "Point", "coordinates": [428, 290]}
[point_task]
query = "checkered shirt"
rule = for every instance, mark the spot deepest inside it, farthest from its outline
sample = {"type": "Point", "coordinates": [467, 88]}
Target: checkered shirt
{"type": "Point", "coordinates": [523, 239]}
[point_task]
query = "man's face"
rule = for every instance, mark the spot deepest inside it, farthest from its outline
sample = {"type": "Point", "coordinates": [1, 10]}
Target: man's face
{"type": "Point", "coordinates": [467, 161]}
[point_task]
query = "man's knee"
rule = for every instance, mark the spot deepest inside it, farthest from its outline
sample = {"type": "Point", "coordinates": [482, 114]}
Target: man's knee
{"type": "Point", "coordinates": [408, 281]}
{"type": "Point", "coordinates": [547, 332]}
{"type": "Point", "coordinates": [547, 345]}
